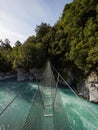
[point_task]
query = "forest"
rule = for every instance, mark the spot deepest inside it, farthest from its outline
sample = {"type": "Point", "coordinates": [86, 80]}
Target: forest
{"type": "Point", "coordinates": [72, 41]}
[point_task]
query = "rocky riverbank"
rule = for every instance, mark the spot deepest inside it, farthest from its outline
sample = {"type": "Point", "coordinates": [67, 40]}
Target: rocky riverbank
{"type": "Point", "coordinates": [88, 88]}
{"type": "Point", "coordinates": [4, 76]}
{"type": "Point", "coordinates": [84, 87]}
{"type": "Point", "coordinates": [31, 75]}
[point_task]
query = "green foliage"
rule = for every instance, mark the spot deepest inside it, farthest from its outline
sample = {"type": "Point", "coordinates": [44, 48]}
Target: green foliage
{"type": "Point", "coordinates": [18, 43]}
{"type": "Point", "coordinates": [29, 55]}
{"type": "Point", "coordinates": [41, 31]}
{"type": "Point", "coordinates": [80, 22]}
{"type": "Point", "coordinates": [5, 56]}
{"type": "Point", "coordinates": [73, 40]}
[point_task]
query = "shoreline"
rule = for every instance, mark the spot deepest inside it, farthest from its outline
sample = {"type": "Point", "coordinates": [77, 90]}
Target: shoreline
{"type": "Point", "coordinates": [7, 77]}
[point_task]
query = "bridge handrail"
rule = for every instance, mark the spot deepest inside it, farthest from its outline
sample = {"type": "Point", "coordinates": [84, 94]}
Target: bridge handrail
{"type": "Point", "coordinates": [11, 102]}
{"type": "Point", "coordinates": [85, 105]}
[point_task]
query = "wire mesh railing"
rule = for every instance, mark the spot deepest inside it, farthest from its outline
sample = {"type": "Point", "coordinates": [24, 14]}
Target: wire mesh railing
{"type": "Point", "coordinates": [34, 118]}
{"type": "Point", "coordinates": [84, 104]}
{"type": "Point", "coordinates": [61, 119]}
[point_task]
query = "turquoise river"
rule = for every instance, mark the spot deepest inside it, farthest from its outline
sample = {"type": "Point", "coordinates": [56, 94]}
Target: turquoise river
{"type": "Point", "coordinates": [82, 114]}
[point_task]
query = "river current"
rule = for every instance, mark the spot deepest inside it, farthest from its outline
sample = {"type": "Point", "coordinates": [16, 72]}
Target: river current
{"type": "Point", "coordinates": [82, 114]}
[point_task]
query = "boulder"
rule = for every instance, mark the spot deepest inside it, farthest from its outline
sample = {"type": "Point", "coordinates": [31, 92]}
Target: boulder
{"type": "Point", "coordinates": [20, 74]}
{"type": "Point", "coordinates": [89, 87]}
{"type": "Point", "coordinates": [92, 85]}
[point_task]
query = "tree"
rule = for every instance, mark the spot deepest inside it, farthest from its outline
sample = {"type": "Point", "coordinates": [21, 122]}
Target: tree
{"type": "Point", "coordinates": [18, 43]}
{"type": "Point", "coordinates": [41, 31]}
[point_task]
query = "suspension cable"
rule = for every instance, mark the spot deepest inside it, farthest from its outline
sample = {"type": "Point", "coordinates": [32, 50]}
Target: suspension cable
{"type": "Point", "coordinates": [85, 105]}
{"type": "Point", "coordinates": [11, 102]}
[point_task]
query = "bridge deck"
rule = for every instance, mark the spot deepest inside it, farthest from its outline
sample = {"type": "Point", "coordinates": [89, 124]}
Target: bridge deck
{"type": "Point", "coordinates": [48, 116]}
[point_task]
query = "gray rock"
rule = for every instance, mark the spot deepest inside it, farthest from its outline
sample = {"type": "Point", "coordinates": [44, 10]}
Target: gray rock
{"type": "Point", "coordinates": [20, 74]}
{"type": "Point", "coordinates": [89, 88]}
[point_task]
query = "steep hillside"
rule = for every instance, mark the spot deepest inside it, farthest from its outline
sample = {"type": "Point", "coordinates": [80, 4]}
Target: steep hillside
{"type": "Point", "coordinates": [79, 24]}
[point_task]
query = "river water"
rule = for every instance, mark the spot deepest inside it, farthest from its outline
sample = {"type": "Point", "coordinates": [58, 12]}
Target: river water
{"type": "Point", "coordinates": [82, 114]}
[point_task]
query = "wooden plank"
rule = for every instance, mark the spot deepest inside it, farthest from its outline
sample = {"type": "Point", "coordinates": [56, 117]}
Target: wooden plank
{"type": "Point", "coordinates": [49, 115]}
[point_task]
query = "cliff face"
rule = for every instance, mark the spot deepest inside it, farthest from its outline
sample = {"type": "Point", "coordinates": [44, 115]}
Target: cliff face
{"type": "Point", "coordinates": [89, 87]}
{"type": "Point", "coordinates": [92, 85]}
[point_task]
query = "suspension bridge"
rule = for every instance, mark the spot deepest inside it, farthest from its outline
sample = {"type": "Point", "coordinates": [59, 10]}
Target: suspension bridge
{"type": "Point", "coordinates": [47, 111]}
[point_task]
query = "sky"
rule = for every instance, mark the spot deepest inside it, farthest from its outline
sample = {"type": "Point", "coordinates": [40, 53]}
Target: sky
{"type": "Point", "coordinates": [19, 18]}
